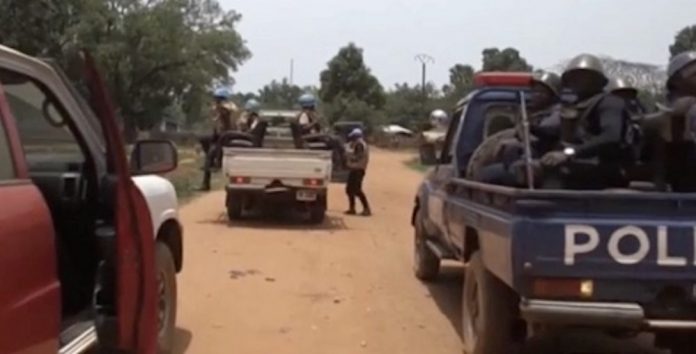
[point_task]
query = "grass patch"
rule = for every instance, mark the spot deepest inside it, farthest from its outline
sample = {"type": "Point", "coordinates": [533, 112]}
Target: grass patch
{"type": "Point", "coordinates": [415, 164]}
{"type": "Point", "coordinates": [189, 175]}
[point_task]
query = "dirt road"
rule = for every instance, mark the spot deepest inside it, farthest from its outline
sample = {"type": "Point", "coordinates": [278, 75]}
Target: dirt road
{"type": "Point", "coordinates": [343, 287]}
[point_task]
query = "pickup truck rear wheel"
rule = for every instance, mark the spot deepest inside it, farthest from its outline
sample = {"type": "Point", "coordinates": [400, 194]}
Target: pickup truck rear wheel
{"type": "Point", "coordinates": [167, 298]}
{"type": "Point", "coordinates": [317, 212]}
{"type": "Point", "coordinates": [235, 206]}
{"type": "Point", "coordinates": [426, 265]}
{"type": "Point", "coordinates": [489, 310]}
{"type": "Point", "coordinates": [679, 342]}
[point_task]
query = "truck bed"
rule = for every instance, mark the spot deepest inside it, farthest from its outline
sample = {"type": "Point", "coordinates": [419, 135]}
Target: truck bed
{"type": "Point", "coordinates": [288, 166]}
{"type": "Point", "coordinates": [614, 237]}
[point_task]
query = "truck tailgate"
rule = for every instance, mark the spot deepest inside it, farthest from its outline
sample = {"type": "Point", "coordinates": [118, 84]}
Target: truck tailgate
{"type": "Point", "coordinates": [607, 235]}
{"type": "Point", "coordinates": [281, 164]}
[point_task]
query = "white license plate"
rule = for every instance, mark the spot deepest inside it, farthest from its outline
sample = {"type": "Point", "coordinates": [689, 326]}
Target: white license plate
{"type": "Point", "coordinates": [306, 196]}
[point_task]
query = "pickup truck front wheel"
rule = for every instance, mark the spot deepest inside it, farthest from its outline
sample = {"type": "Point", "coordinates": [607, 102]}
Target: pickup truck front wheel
{"type": "Point", "coordinates": [166, 302]}
{"type": "Point", "coordinates": [426, 265]}
{"type": "Point", "coordinates": [489, 311]}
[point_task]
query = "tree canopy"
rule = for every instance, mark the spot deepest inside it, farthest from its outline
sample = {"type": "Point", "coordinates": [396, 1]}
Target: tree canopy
{"type": "Point", "coordinates": [349, 90]}
{"type": "Point", "coordinates": [684, 41]}
{"type": "Point", "coordinates": [157, 56]}
{"type": "Point", "coordinates": [508, 59]}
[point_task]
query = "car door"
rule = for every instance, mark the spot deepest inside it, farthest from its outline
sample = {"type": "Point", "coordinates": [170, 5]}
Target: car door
{"type": "Point", "coordinates": [439, 182]}
{"type": "Point", "coordinates": [136, 294]}
{"type": "Point", "coordinates": [30, 311]}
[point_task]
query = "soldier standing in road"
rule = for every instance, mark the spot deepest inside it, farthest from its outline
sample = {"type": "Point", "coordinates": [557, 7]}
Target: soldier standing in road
{"type": "Point", "coordinates": [357, 160]}
{"type": "Point", "coordinates": [224, 117]}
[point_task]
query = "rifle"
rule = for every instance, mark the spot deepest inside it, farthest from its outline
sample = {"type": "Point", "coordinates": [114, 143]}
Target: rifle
{"type": "Point", "coordinates": [526, 140]}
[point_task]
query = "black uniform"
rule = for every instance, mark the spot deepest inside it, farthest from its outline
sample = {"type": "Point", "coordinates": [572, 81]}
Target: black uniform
{"type": "Point", "coordinates": [544, 136]}
{"type": "Point", "coordinates": [604, 140]}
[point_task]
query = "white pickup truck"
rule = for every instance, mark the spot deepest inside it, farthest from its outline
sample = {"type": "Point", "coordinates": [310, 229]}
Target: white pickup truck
{"type": "Point", "coordinates": [258, 178]}
{"type": "Point", "coordinates": [163, 204]}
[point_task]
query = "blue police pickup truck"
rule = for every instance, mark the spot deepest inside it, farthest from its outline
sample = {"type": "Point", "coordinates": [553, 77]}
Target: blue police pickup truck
{"type": "Point", "coordinates": [539, 260]}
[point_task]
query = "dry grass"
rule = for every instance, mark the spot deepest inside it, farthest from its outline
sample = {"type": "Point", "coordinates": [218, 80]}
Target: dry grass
{"type": "Point", "coordinates": [189, 175]}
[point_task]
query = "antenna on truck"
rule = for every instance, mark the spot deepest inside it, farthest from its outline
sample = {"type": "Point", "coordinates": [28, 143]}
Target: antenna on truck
{"type": "Point", "coordinates": [526, 140]}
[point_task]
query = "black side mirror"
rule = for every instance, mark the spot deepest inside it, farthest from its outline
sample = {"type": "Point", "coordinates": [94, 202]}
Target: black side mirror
{"type": "Point", "coordinates": [153, 157]}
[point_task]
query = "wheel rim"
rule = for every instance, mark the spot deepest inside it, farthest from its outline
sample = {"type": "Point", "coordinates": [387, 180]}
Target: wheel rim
{"type": "Point", "coordinates": [162, 302]}
{"type": "Point", "coordinates": [471, 319]}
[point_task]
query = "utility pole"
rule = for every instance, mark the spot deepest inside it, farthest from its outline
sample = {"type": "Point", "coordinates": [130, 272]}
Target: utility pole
{"type": "Point", "coordinates": [424, 59]}
{"type": "Point", "coordinates": [292, 70]}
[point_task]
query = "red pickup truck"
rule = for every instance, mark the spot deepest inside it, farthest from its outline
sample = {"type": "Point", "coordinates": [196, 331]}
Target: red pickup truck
{"type": "Point", "coordinates": [77, 250]}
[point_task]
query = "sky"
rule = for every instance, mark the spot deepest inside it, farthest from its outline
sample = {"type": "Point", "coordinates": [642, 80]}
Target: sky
{"type": "Point", "coordinates": [392, 32]}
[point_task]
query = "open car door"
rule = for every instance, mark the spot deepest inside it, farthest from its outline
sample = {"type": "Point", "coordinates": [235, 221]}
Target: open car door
{"type": "Point", "coordinates": [135, 280]}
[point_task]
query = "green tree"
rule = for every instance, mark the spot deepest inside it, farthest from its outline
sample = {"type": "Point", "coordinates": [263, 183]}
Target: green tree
{"type": "Point", "coordinates": [684, 41]}
{"type": "Point", "coordinates": [508, 59]}
{"type": "Point", "coordinates": [404, 105]}
{"type": "Point", "coordinates": [153, 53]}
{"type": "Point", "coordinates": [348, 79]}
{"type": "Point", "coordinates": [461, 82]}
{"type": "Point", "coordinates": [280, 95]}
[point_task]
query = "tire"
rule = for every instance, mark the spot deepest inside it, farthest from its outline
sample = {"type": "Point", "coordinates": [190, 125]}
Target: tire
{"type": "Point", "coordinates": [235, 207]}
{"type": "Point", "coordinates": [167, 298]}
{"type": "Point", "coordinates": [682, 342]}
{"type": "Point", "coordinates": [317, 212]}
{"type": "Point", "coordinates": [426, 265]}
{"type": "Point", "coordinates": [494, 306]}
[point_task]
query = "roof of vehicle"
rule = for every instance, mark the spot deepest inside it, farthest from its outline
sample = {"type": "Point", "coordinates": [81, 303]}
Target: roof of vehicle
{"type": "Point", "coordinates": [278, 113]}
{"type": "Point", "coordinates": [493, 79]}
{"type": "Point", "coordinates": [348, 123]}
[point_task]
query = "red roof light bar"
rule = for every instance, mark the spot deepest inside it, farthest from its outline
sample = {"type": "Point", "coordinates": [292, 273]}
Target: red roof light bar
{"type": "Point", "coordinates": [508, 79]}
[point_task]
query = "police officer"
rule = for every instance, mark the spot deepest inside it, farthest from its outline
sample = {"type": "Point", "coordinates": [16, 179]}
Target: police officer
{"type": "Point", "coordinates": [358, 156]}
{"type": "Point", "coordinates": [596, 132]}
{"type": "Point", "coordinates": [498, 154]}
{"type": "Point", "coordinates": [620, 87]}
{"type": "Point", "coordinates": [308, 119]}
{"type": "Point", "coordinates": [676, 129]}
{"type": "Point", "coordinates": [681, 74]}
{"type": "Point", "coordinates": [224, 117]}
{"type": "Point", "coordinates": [438, 118]}
{"type": "Point", "coordinates": [250, 118]}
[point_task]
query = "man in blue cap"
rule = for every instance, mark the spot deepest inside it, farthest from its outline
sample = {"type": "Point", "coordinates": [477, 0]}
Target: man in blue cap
{"type": "Point", "coordinates": [358, 156]}
{"type": "Point", "coordinates": [224, 116]}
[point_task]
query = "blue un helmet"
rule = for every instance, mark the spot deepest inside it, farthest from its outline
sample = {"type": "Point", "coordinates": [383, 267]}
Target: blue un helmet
{"type": "Point", "coordinates": [252, 106]}
{"type": "Point", "coordinates": [307, 100]}
{"type": "Point", "coordinates": [222, 93]}
{"type": "Point", "coordinates": [355, 133]}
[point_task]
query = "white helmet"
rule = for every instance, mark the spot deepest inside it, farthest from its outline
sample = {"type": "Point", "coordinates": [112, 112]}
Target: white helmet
{"type": "Point", "coordinates": [438, 117]}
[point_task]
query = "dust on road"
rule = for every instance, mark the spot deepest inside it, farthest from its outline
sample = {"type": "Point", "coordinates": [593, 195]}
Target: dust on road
{"type": "Point", "coordinates": [343, 287]}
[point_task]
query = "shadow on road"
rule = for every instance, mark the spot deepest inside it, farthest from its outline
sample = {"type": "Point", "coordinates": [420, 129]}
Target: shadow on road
{"type": "Point", "coordinates": [446, 291]}
{"type": "Point", "coordinates": [287, 221]}
{"type": "Point", "coordinates": [182, 341]}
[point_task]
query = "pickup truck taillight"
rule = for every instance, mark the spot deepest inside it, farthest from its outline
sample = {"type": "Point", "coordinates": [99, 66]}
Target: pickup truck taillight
{"type": "Point", "coordinates": [313, 182]}
{"type": "Point", "coordinates": [239, 180]}
{"type": "Point", "coordinates": [562, 288]}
